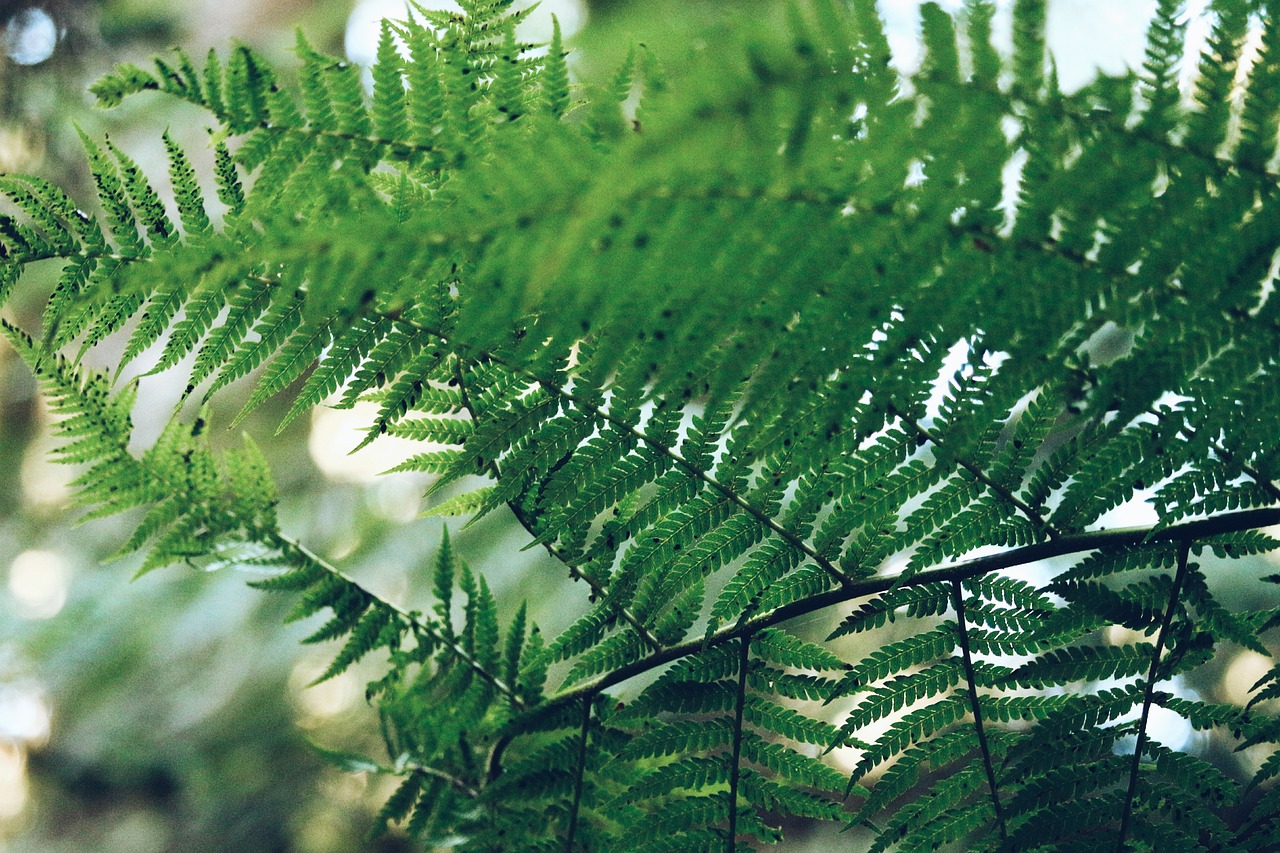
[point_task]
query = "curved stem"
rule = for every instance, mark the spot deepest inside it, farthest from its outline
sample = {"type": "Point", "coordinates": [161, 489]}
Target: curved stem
{"type": "Point", "coordinates": [1231, 522]}
{"type": "Point", "coordinates": [957, 598]}
{"type": "Point", "coordinates": [1148, 697]}
{"type": "Point", "coordinates": [453, 781]}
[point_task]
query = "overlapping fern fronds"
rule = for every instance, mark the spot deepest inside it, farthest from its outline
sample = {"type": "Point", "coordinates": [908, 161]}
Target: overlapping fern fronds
{"type": "Point", "coordinates": [795, 334]}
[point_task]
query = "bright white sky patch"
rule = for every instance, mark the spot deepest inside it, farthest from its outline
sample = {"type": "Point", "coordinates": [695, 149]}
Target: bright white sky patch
{"type": "Point", "coordinates": [1085, 36]}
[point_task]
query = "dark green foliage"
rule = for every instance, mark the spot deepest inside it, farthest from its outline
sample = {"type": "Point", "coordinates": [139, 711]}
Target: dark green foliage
{"type": "Point", "coordinates": [779, 345]}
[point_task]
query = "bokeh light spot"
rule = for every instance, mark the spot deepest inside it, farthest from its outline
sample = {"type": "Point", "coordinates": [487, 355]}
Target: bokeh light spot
{"type": "Point", "coordinates": [24, 714]}
{"type": "Point", "coordinates": [13, 780]}
{"type": "Point", "coordinates": [38, 582]}
{"type": "Point", "coordinates": [334, 432]}
{"type": "Point", "coordinates": [330, 698]}
{"type": "Point", "coordinates": [1242, 674]}
{"type": "Point", "coordinates": [30, 37]}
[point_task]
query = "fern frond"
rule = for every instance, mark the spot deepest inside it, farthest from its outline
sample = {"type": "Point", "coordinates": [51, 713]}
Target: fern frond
{"type": "Point", "coordinates": [303, 346]}
{"type": "Point", "coordinates": [1164, 47]}
{"type": "Point", "coordinates": [1258, 119]}
{"type": "Point", "coordinates": [785, 342]}
{"type": "Point", "coordinates": [555, 77]}
{"type": "Point", "coordinates": [1029, 45]}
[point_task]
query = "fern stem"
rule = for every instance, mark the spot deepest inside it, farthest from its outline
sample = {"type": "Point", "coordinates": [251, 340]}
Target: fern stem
{"type": "Point", "coordinates": [735, 768]}
{"type": "Point", "coordinates": [1148, 697]}
{"type": "Point", "coordinates": [627, 616]}
{"type": "Point", "coordinates": [532, 529]}
{"type": "Point", "coordinates": [580, 774]}
{"type": "Point", "coordinates": [957, 594]}
{"type": "Point", "coordinates": [453, 781]}
{"type": "Point", "coordinates": [399, 146]}
{"type": "Point", "coordinates": [1231, 522]}
{"type": "Point", "coordinates": [732, 496]}
{"type": "Point", "coordinates": [303, 555]}
{"type": "Point", "coordinates": [979, 475]}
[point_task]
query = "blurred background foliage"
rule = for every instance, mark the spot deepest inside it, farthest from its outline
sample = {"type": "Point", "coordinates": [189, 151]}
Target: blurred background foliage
{"type": "Point", "coordinates": [171, 714]}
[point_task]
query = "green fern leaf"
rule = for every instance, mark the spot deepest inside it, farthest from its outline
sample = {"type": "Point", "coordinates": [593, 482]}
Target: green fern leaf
{"type": "Point", "coordinates": [303, 347]}
{"type": "Point", "coordinates": [465, 504]}
{"type": "Point", "coordinates": [1093, 663]}
{"type": "Point", "coordinates": [555, 75]}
